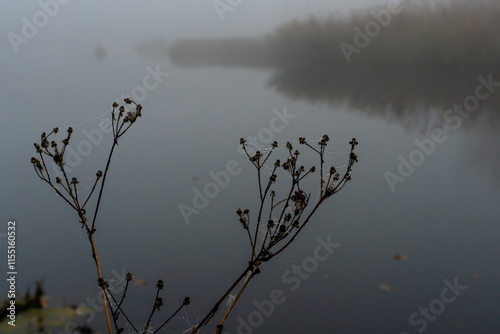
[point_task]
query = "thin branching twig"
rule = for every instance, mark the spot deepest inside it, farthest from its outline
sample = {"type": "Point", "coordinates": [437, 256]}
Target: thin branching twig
{"type": "Point", "coordinates": [285, 227]}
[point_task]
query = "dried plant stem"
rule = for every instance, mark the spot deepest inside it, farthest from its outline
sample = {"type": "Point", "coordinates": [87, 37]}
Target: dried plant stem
{"type": "Point", "coordinates": [250, 276]}
{"type": "Point", "coordinates": [214, 309]}
{"type": "Point", "coordinates": [115, 142]}
{"type": "Point", "coordinates": [170, 318]}
{"type": "Point", "coordinates": [98, 267]}
{"type": "Point", "coordinates": [50, 149]}
{"type": "Point", "coordinates": [118, 308]}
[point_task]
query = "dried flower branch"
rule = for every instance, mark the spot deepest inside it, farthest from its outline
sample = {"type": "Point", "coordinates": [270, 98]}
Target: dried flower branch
{"type": "Point", "coordinates": [285, 216]}
{"type": "Point", "coordinates": [69, 192]}
{"type": "Point", "coordinates": [281, 219]}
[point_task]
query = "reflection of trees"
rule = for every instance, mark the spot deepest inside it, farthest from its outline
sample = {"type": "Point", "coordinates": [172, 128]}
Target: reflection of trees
{"type": "Point", "coordinates": [406, 97]}
{"type": "Point", "coordinates": [427, 58]}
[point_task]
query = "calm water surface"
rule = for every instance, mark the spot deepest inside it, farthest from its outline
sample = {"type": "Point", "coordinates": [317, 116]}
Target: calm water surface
{"type": "Point", "coordinates": [401, 243]}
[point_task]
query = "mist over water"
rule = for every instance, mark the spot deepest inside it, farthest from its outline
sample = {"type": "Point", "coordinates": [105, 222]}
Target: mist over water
{"type": "Point", "coordinates": [207, 78]}
{"type": "Point", "coordinates": [422, 58]}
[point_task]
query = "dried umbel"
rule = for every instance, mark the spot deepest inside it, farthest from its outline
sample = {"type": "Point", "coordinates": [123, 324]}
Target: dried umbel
{"type": "Point", "coordinates": [279, 220]}
{"type": "Point", "coordinates": [281, 215]}
{"type": "Point", "coordinates": [286, 214]}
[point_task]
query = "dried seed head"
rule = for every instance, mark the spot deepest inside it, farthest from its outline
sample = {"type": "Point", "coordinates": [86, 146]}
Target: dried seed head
{"type": "Point", "coordinates": [239, 212]}
{"type": "Point", "coordinates": [98, 174]}
{"type": "Point", "coordinates": [58, 159]}
{"type": "Point", "coordinates": [34, 160]}
{"type": "Point", "coordinates": [55, 130]}
{"type": "Point", "coordinates": [127, 100]}
{"type": "Point", "coordinates": [58, 179]}
{"type": "Point", "coordinates": [74, 180]}
{"type": "Point", "coordinates": [313, 169]}
{"type": "Point", "coordinates": [187, 301]}
{"type": "Point", "coordinates": [242, 141]}
{"type": "Point", "coordinates": [132, 116]}
{"type": "Point", "coordinates": [115, 104]}
{"type": "Point", "coordinates": [274, 144]}
{"type": "Point", "coordinates": [302, 140]}
{"type": "Point", "coordinates": [102, 283]}
{"type": "Point", "coordinates": [159, 285]}
{"type": "Point", "coordinates": [128, 277]}
{"type": "Point", "coordinates": [70, 130]}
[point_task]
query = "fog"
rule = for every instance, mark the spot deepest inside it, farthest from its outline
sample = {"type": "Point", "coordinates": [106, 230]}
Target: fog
{"type": "Point", "coordinates": [208, 73]}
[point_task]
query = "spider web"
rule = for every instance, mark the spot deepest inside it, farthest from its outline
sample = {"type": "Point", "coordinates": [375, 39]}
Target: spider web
{"type": "Point", "coordinates": [337, 157]}
{"type": "Point", "coordinates": [179, 321]}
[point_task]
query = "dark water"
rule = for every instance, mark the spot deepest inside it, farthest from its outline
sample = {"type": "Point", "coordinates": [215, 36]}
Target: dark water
{"type": "Point", "coordinates": [417, 225]}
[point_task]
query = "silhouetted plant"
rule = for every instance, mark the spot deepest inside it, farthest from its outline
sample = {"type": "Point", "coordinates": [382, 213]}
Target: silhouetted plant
{"type": "Point", "coordinates": [279, 219]}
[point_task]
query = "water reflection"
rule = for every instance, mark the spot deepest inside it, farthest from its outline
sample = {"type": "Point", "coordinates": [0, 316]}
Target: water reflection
{"type": "Point", "coordinates": [427, 67]}
{"type": "Point", "coordinates": [427, 58]}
